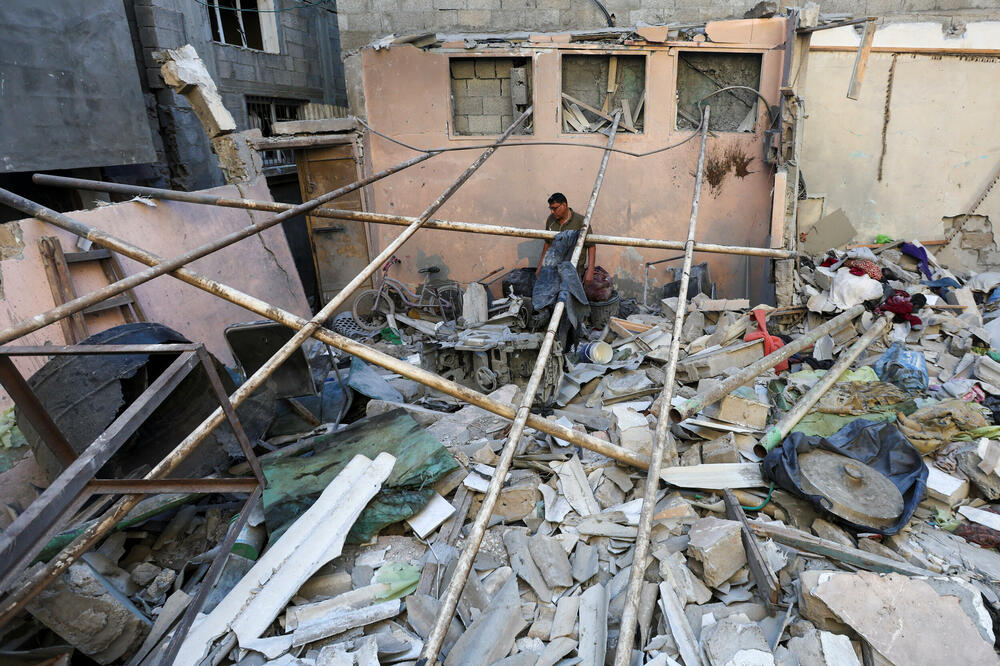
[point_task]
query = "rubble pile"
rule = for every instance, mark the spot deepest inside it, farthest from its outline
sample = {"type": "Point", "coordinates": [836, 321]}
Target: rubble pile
{"type": "Point", "coordinates": [862, 532]}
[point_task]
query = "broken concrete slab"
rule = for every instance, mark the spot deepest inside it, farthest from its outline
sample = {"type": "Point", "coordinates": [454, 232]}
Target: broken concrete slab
{"type": "Point", "coordinates": [516, 542]}
{"type": "Point", "coordinates": [734, 641]}
{"type": "Point", "coordinates": [718, 545]}
{"type": "Point", "coordinates": [552, 560]}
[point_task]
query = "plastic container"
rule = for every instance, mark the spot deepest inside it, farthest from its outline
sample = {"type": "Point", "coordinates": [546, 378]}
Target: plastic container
{"type": "Point", "coordinates": [595, 352]}
{"type": "Point", "coordinates": [601, 312]}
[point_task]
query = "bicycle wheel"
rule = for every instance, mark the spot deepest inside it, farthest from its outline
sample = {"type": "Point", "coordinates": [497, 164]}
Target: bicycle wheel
{"type": "Point", "coordinates": [369, 314]}
{"type": "Point", "coordinates": [450, 297]}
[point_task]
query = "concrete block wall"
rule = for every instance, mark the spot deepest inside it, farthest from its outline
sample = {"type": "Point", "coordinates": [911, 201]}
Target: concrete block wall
{"type": "Point", "coordinates": [480, 94]}
{"type": "Point", "coordinates": [308, 67]}
{"type": "Point", "coordinates": [363, 20]}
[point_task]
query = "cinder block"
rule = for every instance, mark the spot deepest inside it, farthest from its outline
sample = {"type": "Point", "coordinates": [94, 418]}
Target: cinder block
{"type": "Point", "coordinates": [718, 545]}
{"type": "Point", "coordinates": [503, 66]}
{"type": "Point", "coordinates": [720, 450]}
{"type": "Point", "coordinates": [463, 68]}
{"type": "Point", "coordinates": [485, 68]}
{"type": "Point", "coordinates": [484, 87]}
{"type": "Point", "coordinates": [459, 90]}
{"type": "Point", "coordinates": [497, 106]}
{"type": "Point", "coordinates": [461, 125]}
{"type": "Point", "coordinates": [471, 106]}
{"type": "Point", "coordinates": [473, 18]}
{"type": "Point", "coordinates": [482, 4]}
{"type": "Point", "coordinates": [484, 125]}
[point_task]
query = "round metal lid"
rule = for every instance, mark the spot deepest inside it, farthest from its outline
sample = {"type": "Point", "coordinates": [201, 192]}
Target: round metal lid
{"type": "Point", "coordinates": [854, 491]}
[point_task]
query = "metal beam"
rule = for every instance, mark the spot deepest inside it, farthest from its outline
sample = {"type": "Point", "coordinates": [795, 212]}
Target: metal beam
{"type": "Point", "coordinates": [33, 410]}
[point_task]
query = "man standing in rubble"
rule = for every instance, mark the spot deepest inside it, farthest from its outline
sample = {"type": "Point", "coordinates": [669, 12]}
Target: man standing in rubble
{"type": "Point", "coordinates": [564, 218]}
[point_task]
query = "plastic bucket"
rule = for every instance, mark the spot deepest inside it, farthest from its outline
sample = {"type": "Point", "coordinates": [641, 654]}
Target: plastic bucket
{"type": "Point", "coordinates": [601, 312]}
{"type": "Point", "coordinates": [595, 352]}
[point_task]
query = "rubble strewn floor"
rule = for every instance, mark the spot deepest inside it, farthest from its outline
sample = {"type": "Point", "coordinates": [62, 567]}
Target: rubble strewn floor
{"type": "Point", "coordinates": [888, 558]}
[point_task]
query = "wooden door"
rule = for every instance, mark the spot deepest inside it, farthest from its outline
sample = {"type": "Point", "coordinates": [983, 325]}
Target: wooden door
{"type": "Point", "coordinates": [339, 247]}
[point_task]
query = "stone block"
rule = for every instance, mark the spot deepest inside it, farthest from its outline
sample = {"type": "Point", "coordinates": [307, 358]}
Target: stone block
{"type": "Point", "coordinates": [498, 106]}
{"type": "Point", "coordinates": [740, 411]}
{"type": "Point", "coordinates": [733, 641]}
{"type": "Point", "coordinates": [485, 125]}
{"type": "Point", "coordinates": [812, 608]}
{"type": "Point", "coordinates": [718, 545]}
{"type": "Point", "coordinates": [503, 66]}
{"type": "Point", "coordinates": [485, 68]}
{"type": "Point", "coordinates": [463, 68]}
{"type": "Point", "coordinates": [484, 87]}
{"type": "Point", "coordinates": [720, 450]}
{"type": "Point", "coordinates": [470, 106]}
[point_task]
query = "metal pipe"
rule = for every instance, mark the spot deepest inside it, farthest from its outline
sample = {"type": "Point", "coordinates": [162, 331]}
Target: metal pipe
{"type": "Point", "coordinates": [780, 430]}
{"type": "Point", "coordinates": [56, 567]}
{"type": "Point", "coordinates": [77, 304]}
{"type": "Point", "coordinates": [640, 558]}
{"type": "Point", "coordinates": [432, 646]}
{"type": "Point", "coordinates": [12, 604]}
{"type": "Point", "coordinates": [396, 220]}
{"type": "Point", "coordinates": [702, 400]}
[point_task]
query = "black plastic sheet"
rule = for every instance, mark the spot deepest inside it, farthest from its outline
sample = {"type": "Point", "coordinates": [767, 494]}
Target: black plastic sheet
{"type": "Point", "coordinates": [879, 445]}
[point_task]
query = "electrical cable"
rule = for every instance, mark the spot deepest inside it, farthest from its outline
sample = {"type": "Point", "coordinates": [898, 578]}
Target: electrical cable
{"type": "Point", "coordinates": [607, 15]}
{"type": "Point", "coordinates": [695, 133]}
{"type": "Point", "coordinates": [762, 504]}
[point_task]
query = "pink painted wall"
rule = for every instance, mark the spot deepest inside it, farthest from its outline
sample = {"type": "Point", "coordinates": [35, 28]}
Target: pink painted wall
{"type": "Point", "coordinates": [260, 265]}
{"type": "Point", "coordinates": [407, 96]}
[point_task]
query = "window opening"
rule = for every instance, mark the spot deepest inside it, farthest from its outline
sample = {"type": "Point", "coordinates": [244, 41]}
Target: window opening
{"type": "Point", "coordinates": [262, 113]}
{"type": "Point", "coordinates": [595, 86]}
{"type": "Point", "coordinates": [488, 93]}
{"type": "Point", "coordinates": [238, 22]}
{"type": "Point", "coordinates": [699, 74]}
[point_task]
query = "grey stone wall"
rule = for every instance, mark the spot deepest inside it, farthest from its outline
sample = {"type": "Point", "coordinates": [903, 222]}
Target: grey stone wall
{"type": "Point", "coordinates": [307, 68]}
{"type": "Point", "coordinates": [480, 94]}
{"type": "Point", "coordinates": [363, 20]}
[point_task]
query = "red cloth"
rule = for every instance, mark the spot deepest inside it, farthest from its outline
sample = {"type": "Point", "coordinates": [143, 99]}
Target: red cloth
{"type": "Point", "coordinates": [829, 261]}
{"type": "Point", "coordinates": [771, 342]}
{"type": "Point", "coordinates": [900, 305]}
{"type": "Point", "coordinates": [866, 266]}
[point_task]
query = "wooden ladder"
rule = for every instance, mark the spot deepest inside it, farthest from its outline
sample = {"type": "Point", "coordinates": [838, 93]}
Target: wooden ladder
{"type": "Point", "coordinates": [57, 263]}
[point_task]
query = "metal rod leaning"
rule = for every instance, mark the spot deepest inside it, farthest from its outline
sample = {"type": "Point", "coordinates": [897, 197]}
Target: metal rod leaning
{"type": "Point", "coordinates": [640, 558]}
{"type": "Point", "coordinates": [77, 304]}
{"type": "Point", "coordinates": [475, 538]}
{"type": "Point", "coordinates": [396, 220]}
{"type": "Point", "coordinates": [17, 599]}
{"type": "Point", "coordinates": [780, 430]}
{"type": "Point", "coordinates": [699, 402]}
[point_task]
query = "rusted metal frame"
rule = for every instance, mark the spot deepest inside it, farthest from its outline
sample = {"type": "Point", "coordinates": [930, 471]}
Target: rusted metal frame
{"type": "Point", "coordinates": [640, 558]}
{"type": "Point", "coordinates": [397, 220]}
{"type": "Point", "coordinates": [432, 646]}
{"type": "Point", "coordinates": [33, 410]}
{"type": "Point", "coordinates": [60, 563]}
{"type": "Point", "coordinates": [73, 350]}
{"type": "Point", "coordinates": [25, 538]}
{"type": "Point", "coordinates": [76, 305]}
{"type": "Point", "coordinates": [157, 486]}
{"type": "Point", "coordinates": [838, 24]}
{"type": "Point", "coordinates": [699, 402]}
{"type": "Point", "coordinates": [208, 582]}
{"type": "Point", "coordinates": [61, 286]}
{"type": "Point", "coordinates": [227, 409]}
{"type": "Point", "coordinates": [780, 430]}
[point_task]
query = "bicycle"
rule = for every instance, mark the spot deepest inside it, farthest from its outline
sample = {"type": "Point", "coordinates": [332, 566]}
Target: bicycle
{"type": "Point", "coordinates": [372, 307]}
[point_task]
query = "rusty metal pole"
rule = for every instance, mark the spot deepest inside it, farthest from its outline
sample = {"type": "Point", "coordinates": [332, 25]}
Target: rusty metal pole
{"type": "Point", "coordinates": [699, 402]}
{"type": "Point", "coordinates": [15, 601]}
{"type": "Point", "coordinates": [77, 304]}
{"type": "Point", "coordinates": [397, 220]}
{"type": "Point", "coordinates": [640, 558]}
{"type": "Point", "coordinates": [780, 430]}
{"type": "Point", "coordinates": [475, 538]}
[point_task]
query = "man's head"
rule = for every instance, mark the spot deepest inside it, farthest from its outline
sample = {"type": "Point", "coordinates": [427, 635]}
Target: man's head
{"type": "Point", "coordinates": [558, 204]}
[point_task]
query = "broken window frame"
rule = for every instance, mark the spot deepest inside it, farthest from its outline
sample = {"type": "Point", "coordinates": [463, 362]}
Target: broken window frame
{"type": "Point", "coordinates": [527, 127]}
{"type": "Point", "coordinates": [280, 160]}
{"type": "Point", "coordinates": [262, 14]}
{"type": "Point", "coordinates": [678, 63]}
{"type": "Point", "coordinates": [641, 114]}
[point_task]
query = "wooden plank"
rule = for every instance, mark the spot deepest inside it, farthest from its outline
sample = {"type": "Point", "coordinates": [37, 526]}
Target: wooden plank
{"type": "Point", "coordinates": [113, 269]}
{"type": "Point", "coordinates": [122, 300]}
{"type": "Point", "coordinates": [766, 581]}
{"type": "Point", "coordinates": [861, 61]}
{"type": "Point", "coordinates": [89, 255]}
{"type": "Point", "coordinates": [790, 536]}
{"type": "Point", "coordinates": [717, 476]}
{"type": "Point", "coordinates": [638, 108]}
{"type": "Point", "coordinates": [612, 82]}
{"type": "Point", "coordinates": [61, 286]}
{"type": "Point", "coordinates": [626, 117]}
{"type": "Point", "coordinates": [570, 118]}
{"type": "Point", "coordinates": [587, 107]}
{"type": "Point", "coordinates": [580, 115]}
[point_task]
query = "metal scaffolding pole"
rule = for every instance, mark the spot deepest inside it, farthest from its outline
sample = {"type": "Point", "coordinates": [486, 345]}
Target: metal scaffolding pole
{"type": "Point", "coordinates": [396, 220]}
{"type": "Point", "coordinates": [77, 304]}
{"type": "Point", "coordinates": [16, 600]}
{"type": "Point", "coordinates": [640, 558]}
{"type": "Point", "coordinates": [475, 538]}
